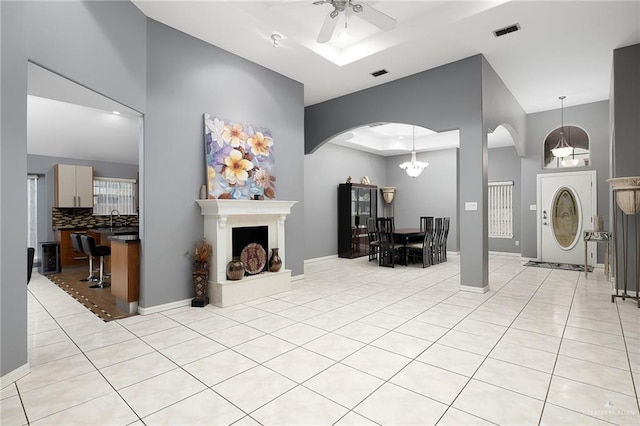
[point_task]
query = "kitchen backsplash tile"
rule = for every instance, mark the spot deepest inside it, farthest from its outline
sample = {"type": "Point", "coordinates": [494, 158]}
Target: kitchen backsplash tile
{"type": "Point", "coordinates": [84, 218]}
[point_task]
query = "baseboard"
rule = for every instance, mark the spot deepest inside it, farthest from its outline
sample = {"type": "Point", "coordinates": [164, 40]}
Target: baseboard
{"type": "Point", "coordinates": [164, 307]}
{"type": "Point", "coordinates": [320, 259]}
{"type": "Point", "coordinates": [474, 289]}
{"type": "Point", "coordinates": [13, 376]}
{"type": "Point", "coordinates": [505, 253]}
{"type": "Point", "coordinates": [299, 277]}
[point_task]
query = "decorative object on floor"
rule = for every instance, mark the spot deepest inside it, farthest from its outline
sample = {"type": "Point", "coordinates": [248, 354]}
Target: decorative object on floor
{"type": "Point", "coordinates": [626, 191]}
{"type": "Point", "coordinates": [200, 275]}
{"type": "Point", "coordinates": [239, 158]}
{"type": "Point", "coordinates": [553, 265]}
{"type": "Point", "coordinates": [235, 269]}
{"type": "Point", "coordinates": [597, 237]}
{"type": "Point", "coordinates": [275, 262]}
{"type": "Point", "coordinates": [99, 301]}
{"type": "Point", "coordinates": [365, 180]}
{"type": "Point", "coordinates": [414, 167]}
{"type": "Point", "coordinates": [254, 258]}
{"type": "Point", "coordinates": [563, 148]}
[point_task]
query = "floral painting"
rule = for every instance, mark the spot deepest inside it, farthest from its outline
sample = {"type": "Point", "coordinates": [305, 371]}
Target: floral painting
{"type": "Point", "coordinates": [240, 160]}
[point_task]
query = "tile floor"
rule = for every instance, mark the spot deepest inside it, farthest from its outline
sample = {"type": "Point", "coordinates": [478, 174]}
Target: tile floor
{"type": "Point", "coordinates": [351, 344]}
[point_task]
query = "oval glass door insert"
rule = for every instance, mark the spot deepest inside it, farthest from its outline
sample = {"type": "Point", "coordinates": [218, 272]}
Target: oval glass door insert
{"type": "Point", "coordinates": [565, 218]}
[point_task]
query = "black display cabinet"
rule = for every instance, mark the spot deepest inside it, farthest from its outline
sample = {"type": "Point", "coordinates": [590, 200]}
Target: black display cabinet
{"type": "Point", "coordinates": [357, 203]}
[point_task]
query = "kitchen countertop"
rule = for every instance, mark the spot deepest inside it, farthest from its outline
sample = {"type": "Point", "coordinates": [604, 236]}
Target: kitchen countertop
{"type": "Point", "coordinates": [126, 239]}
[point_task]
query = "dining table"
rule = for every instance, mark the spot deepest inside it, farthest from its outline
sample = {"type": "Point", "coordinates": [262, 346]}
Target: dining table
{"type": "Point", "coordinates": [406, 236]}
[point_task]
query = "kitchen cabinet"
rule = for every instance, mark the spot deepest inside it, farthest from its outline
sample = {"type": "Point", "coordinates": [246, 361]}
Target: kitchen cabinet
{"type": "Point", "coordinates": [68, 256]}
{"type": "Point", "coordinates": [357, 203]}
{"type": "Point", "coordinates": [73, 186]}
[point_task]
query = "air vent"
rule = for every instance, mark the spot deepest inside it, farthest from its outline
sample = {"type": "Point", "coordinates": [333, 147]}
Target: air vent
{"type": "Point", "coordinates": [506, 30]}
{"type": "Point", "coordinates": [379, 73]}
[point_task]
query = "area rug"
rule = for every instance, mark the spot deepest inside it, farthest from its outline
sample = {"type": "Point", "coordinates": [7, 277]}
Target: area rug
{"type": "Point", "coordinates": [564, 266]}
{"type": "Point", "coordinates": [100, 301]}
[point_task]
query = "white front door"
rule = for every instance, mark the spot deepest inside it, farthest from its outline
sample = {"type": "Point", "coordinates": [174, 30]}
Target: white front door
{"type": "Point", "coordinates": [566, 206]}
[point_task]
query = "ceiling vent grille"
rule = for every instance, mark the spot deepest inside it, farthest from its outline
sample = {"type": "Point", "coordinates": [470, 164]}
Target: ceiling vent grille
{"type": "Point", "coordinates": [379, 73]}
{"type": "Point", "coordinates": [506, 30]}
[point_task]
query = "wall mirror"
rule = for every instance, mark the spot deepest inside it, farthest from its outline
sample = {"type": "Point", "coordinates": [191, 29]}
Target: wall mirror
{"type": "Point", "coordinates": [577, 138]}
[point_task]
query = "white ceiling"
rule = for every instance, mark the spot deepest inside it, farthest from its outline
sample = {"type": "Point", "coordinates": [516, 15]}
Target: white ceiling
{"type": "Point", "coordinates": [563, 48]}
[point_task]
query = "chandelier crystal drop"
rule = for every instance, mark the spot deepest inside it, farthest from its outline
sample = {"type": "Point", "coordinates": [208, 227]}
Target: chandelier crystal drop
{"type": "Point", "coordinates": [414, 167]}
{"type": "Point", "coordinates": [562, 149]}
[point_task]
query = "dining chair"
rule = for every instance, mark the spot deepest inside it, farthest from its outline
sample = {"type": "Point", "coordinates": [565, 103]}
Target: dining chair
{"type": "Point", "coordinates": [426, 223]}
{"type": "Point", "coordinates": [388, 250]}
{"type": "Point", "coordinates": [443, 239]}
{"type": "Point", "coordinates": [437, 236]}
{"type": "Point", "coordinates": [385, 224]}
{"type": "Point", "coordinates": [422, 250]}
{"type": "Point", "coordinates": [374, 241]}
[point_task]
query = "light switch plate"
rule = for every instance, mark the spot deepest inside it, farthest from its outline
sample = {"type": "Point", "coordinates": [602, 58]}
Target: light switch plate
{"type": "Point", "coordinates": [533, 207]}
{"type": "Point", "coordinates": [471, 206]}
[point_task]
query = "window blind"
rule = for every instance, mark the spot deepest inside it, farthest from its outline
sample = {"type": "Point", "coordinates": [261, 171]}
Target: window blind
{"type": "Point", "coordinates": [500, 209]}
{"type": "Point", "coordinates": [114, 193]}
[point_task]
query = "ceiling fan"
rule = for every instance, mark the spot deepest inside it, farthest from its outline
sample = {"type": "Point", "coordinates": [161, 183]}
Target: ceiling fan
{"type": "Point", "coordinates": [368, 13]}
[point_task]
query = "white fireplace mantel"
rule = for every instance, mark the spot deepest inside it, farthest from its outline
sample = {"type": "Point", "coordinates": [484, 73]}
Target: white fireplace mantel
{"type": "Point", "coordinates": [220, 217]}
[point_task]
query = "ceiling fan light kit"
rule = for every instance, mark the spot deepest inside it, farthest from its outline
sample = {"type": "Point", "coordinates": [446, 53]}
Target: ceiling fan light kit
{"type": "Point", "coordinates": [367, 13]}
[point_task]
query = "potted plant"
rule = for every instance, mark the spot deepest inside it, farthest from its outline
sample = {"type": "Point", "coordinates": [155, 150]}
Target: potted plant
{"type": "Point", "coordinates": [200, 275]}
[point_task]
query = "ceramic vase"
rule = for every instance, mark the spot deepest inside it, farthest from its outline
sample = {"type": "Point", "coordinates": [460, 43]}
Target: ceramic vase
{"type": "Point", "coordinates": [235, 269]}
{"type": "Point", "coordinates": [275, 263]}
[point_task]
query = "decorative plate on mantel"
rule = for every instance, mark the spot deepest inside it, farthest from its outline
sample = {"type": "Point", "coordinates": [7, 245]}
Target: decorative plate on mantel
{"type": "Point", "coordinates": [254, 258]}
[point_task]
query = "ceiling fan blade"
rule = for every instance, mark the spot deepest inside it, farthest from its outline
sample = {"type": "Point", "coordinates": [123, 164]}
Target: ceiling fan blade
{"type": "Point", "coordinates": [377, 18]}
{"type": "Point", "coordinates": [328, 26]}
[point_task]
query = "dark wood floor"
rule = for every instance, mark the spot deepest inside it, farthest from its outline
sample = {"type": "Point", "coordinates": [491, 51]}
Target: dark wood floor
{"type": "Point", "coordinates": [100, 301]}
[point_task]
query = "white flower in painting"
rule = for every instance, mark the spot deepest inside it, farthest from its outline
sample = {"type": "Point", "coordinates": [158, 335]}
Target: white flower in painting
{"type": "Point", "coordinates": [215, 127]}
{"type": "Point", "coordinates": [237, 168]}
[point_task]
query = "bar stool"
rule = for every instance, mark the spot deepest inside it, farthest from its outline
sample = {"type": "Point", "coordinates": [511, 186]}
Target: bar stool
{"type": "Point", "coordinates": [76, 242]}
{"type": "Point", "coordinates": [89, 247]}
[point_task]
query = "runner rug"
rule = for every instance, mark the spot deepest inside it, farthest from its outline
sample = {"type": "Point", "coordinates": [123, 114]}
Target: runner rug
{"type": "Point", "coordinates": [564, 266]}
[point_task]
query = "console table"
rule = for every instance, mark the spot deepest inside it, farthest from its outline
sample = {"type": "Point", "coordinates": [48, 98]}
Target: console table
{"type": "Point", "coordinates": [598, 237]}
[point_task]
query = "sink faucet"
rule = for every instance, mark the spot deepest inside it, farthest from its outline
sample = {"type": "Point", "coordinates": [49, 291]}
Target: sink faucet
{"type": "Point", "coordinates": [117, 212]}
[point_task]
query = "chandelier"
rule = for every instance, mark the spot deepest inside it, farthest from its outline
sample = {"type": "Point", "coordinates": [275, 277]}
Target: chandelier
{"type": "Point", "coordinates": [562, 149]}
{"type": "Point", "coordinates": [414, 167]}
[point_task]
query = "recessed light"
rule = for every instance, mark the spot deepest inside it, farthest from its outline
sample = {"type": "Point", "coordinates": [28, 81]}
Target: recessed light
{"type": "Point", "coordinates": [115, 112]}
{"type": "Point", "coordinates": [344, 35]}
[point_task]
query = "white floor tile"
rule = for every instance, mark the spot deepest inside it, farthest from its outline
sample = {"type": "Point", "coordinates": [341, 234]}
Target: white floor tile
{"type": "Point", "coordinates": [254, 388]}
{"type": "Point", "coordinates": [514, 377]}
{"type": "Point", "coordinates": [392, 404]}
{"type": "Point", "coordinates": [558, 416]}
{"type": "Point", "coordinates": [498, 405]}
{"type": "Point", "coordinates": [299, 333]}
{"type": "Point", "coordinates": [137, 369]}
{"type": "Point", "coordinates": [598, 375]}
{"type": "Point", "coordinates": [344, 385]}
{"type": "Point", "coordinates": [161, 391]}
{"type": "Point", "coordinates": [593, 401]}
{"type": "Point", "coordinates": [220, 366]}
{"type": "Point", "coordinates": [452, 359]}
{"type": "Point", "coordinates": [203, 408]}
{"type": "Point", "coordinates": [11, 411]}
{"type": "Point", "coordinates": [113, 354]}
{"type": "Point", "coordinates": [455, 417]}
{"type": "Point", "coordinates": [264, 348]}
{"type": "Point", "coordinates": [420, 377]}
{"type": "Point", "coordinates": [527, 357]}
{"type": "Point", "coordinates": [110, 408]}
{"type": "Point", "coordinates": [362, 332]}
{"type": "Point", "coordinates": [334, 346]}
{"type": "Point", "coordinates": [54, 371]}
{"type": "Point", "coordinates": [299, 406]}
{"type": "Point", "coordinates": [377, 362]}
{"type": "Point", "coordinates": [402, 344]}
{"type": "Point", "coordinates": [299, 364]}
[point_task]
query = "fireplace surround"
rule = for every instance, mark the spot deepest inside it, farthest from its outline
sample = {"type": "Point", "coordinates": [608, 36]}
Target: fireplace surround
{"type": "Point", "coordinates": [220, 218]}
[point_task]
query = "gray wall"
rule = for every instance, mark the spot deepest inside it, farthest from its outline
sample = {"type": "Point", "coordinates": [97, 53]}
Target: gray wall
{"type": "Point", "coordinates": [626, 134]}
{"type": "Point", "coordinates": [444, 98]}
{"type": "Point", "coordinates": [186, 78]}
{"type": "Point", "coordinates": [504, 165]}
{"type": "Point", "coordinates": [43, 166]}
{"type": "Point", "coordinates": [594, 119]}
{"type": "Point", "coordinates": [433, 193]}
{"type": "Point", "coordinates": [100, 45]}
{"type": "Point", "coordinates": [327, 167]}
